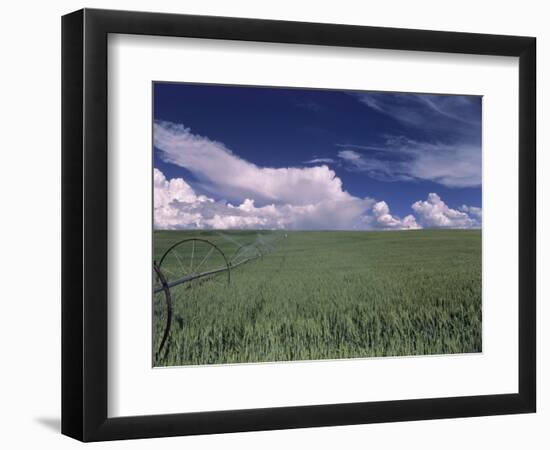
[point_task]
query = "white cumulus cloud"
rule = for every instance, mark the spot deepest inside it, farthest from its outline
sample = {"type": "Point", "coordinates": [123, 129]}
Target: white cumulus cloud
{"type": "Point", "coordinates": [383, 219]}
{"type": "Point", "coordinates": [178, 206]}
{"type": "Point", "coordinates": [472, 211]}
{"type": "Point", "coordinates": [227, 175]}
{"type": "Point", "coordinates": [433, 212]}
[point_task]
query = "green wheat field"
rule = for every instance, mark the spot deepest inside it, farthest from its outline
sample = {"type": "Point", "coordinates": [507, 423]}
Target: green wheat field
{"type": "Point", "coordinates": [316, 295]}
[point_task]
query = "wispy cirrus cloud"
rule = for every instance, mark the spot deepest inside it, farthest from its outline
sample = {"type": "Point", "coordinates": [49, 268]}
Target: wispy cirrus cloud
{"type": "Point", "coordinates": [426, 110]}
{"type": "Point", "coordinates": [449, 153]}
{"type": "Point", "coordinates": [403, 159]}
{"type": "Point", "coordinates": [320, 161]}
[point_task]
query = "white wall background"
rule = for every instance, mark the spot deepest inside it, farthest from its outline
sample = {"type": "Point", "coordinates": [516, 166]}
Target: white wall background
{"type": "Point", "coordinates": [30, 229]}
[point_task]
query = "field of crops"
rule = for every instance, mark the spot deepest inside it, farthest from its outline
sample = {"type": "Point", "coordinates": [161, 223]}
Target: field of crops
{"type": "Point", "coordinates": [326, 295]}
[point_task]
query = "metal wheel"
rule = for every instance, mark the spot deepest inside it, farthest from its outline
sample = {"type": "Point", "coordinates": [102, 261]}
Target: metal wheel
{"type": "Point", "coordinates": [194, 261]}
{"type": "Point", "coordinates": [162, 310]}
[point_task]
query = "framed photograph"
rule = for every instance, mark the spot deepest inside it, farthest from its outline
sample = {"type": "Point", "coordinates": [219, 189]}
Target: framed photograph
{"type": "Point", "coordinates": [273, 224]}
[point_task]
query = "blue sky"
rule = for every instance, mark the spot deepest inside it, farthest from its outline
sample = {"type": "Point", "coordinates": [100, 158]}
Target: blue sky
{"type": "Point", "coordinates": [262, 157]}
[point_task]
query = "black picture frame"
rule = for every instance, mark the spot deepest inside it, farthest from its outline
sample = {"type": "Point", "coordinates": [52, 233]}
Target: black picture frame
{"type": "Point", "coordinates": [84, 224]}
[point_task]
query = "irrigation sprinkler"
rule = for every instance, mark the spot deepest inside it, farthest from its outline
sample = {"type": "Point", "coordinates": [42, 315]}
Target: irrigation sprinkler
{"type": "Point", "coordinates": [196, 260]}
